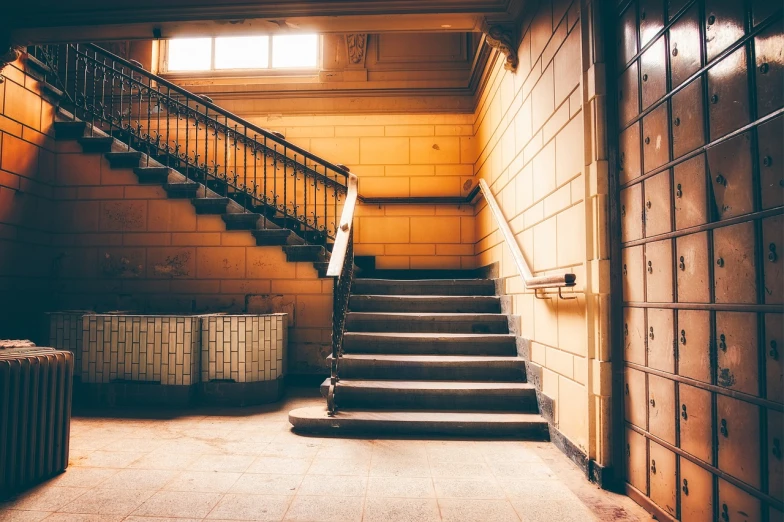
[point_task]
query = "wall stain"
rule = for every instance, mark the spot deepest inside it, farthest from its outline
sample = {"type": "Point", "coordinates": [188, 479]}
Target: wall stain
{"type": "Point", "coordinates": [726, 378]}
{"type": "Point", "coordinates": [173, 266]}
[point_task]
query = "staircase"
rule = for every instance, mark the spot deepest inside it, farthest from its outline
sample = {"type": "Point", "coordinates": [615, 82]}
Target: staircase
{"type": "Point", "coordinates": [428, 356]}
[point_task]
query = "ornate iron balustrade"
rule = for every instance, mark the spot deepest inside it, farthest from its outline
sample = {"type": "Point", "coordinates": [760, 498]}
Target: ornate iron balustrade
{"type": "Point", "coordinates": [235, 158]}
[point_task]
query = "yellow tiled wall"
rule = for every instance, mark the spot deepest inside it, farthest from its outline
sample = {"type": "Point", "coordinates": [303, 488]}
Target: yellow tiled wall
{"type": "Point", "coordinates": [535, 148]}
{"type": "Point", "coordinates": [26, 192]}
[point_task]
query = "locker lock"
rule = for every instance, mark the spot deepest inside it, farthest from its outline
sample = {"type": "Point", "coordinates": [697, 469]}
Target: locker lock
{"type": "Point", "coordinates": [645, 77]}
{"type": "Point", "coordinates": [647, 140]}
{"type": "Point", "coordinates": [625, 329]}
{"type": "Point", "coordinates": [642, 14]}
{"type": "Point", "coordinates": [650, 267]}
{"type": "Point", "coordinates": [679, 192]}
{"type": "Point", "coordinates": [684, 415]}
{"type": "Point", "coordinates": [774, 350]}
{"type": "Point", "coordinates": [772, 256]}
{"type": "Point", "coordinates": [648, 204]}
{"type": "Point", "coordinates": [628, 451]}
{"type": "Point", "coordinates": [653, 467]}
{"type": "Point", "coordinates": [767, 161]}
{"type": "Point", "coordinates": [764, 67]}
{"type": "Point", "coordinates": [723, 342]}
{"type": "Point", "coordinates": [624, 269]}
{"type": "Point", "coordinates": [720, 262]}
{"type": "Point", "coordinates": [721, 180]}
{"type": "Point", "coordinates": [714, 99]}
{"type": "Point", "coordinates": [683, 336]}
{"type": "Point", "coordinates": [723, 428]}
{"type": "Point", "coordinates": [676, 121]}
{"type": "Point", "coordinates": [725, 513]}
{"type": "Point", "coordinates": [623, 210]}
{"type": "Point", "coordinates": [711, 19]}
{"type": "Point", "coordinates": [682, 263]}
{"type": "Point", "coordinates": [777, 448]}
{"type": "Point", "coordinates": [650, 333]}
{"type": "Point", "coordinates": [685, 487]}
{"type": "Point", "coordinates": [627, 388]}
{"type": "Point", "coordinates": [653, 403]}
{"type": "Point", "coordinates": [675, 50]}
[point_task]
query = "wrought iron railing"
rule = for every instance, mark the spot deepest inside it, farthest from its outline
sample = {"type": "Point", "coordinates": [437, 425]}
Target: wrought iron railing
{"type": "Point", "coordinates": [341, 267]}
{"type": "Point", "coordinates": [256, 167]}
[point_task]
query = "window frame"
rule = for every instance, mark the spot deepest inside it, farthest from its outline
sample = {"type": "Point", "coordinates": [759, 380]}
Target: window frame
{"type": "Point", "coordinates": [163, 62]}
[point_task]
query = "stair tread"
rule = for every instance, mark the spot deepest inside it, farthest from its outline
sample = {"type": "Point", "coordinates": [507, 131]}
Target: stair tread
{"type": "Point", "coordinates": [443, 359]}
{"type": "Point", "coordinates": [432, 385]}
{"type": "Point", "coordinates": [420, 416]}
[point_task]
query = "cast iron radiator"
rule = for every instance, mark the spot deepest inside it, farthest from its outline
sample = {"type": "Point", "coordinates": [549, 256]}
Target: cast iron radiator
{"type": "Point", "coordinates": [35, 414]}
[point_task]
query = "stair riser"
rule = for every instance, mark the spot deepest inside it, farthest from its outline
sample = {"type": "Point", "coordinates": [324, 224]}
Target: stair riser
{"type": "Point", "coordinates": [429, 347]}
{"type": "Point", "coordinates": [387, 399]}
{"type": "Point", "coordinates": [489, 305]}
{"type": "Point", "coordinates": [308, 253]}
{"type": "Point", "coordinates": [401, 288]}
{"type": "Point", "coordinates": [90, 145]}
{"type": "Point", "coordinates": [241, 221]}
{"type": "Point", "coordinates": [181, 193]}
{"type": "Point", "coordinates": [373, 370]}
{"type": "Point", "coordinates": [67, 130]}
{"type": "Point", "coordinates": [124, 161]}
{"type": "Point", "coordinates": [210, 206]}
{"type": "Point", "coordinates": [420, 326]}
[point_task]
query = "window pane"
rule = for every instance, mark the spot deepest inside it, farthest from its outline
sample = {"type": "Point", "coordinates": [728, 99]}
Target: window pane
{"type": "Point", "coordinates": [299, 50]}
{"type": "Point", "coordinates": [189, 54]}
{"type": "Point", "coordinates": [242, 52]}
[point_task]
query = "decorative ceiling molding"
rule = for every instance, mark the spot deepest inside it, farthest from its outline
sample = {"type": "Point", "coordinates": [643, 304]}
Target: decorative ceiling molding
{"type": "Point", "coordinates": [9, 55]}
{"type": "Point", "coordinates": [505, 38]}
{"type": "Point", "coordinates": [356, 47]}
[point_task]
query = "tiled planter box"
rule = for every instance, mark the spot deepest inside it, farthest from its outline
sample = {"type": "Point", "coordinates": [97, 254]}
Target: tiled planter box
{"type": "Point", "coordinates": [65, 333]}
{"type": "Point", "coordinates": [243, 358]}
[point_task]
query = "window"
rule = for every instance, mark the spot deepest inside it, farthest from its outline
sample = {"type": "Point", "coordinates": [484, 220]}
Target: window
{"type": "Point", "coordinates": [284, 51]}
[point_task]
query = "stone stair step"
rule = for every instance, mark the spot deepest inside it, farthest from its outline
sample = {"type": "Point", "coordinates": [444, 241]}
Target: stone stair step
{"type": "Point", "coordinates": [210, 205]}
{"type": "Point", "coordinates": [124, 159]}
{"type": "Point", "coordinates": [312, 253]}
{"type": "Point", "coordinates": [276, 237]}
{"type": "Point", "coordinates": [69, 130]}
{"type": "Point", "coordinates": [149, 175]}
{"type": "Point", "coordinates": [241, 221]}
{"type": "Point", "coordinates": [426, 322]}
{"type": "Point", "coordinates": [425, 303]}
{"type": "Point", "coordinates": [37, 64]}
{"type": "Point", "coordinates": [432, 367]}
{"type": "Point", "coordinates": [96, 143]}
{"type": "Point", "coordinates": [429, 343]}
{"type": "Point", "coordinates": [185, 190]}
{"type": "Point", "coordinates": [423, 287]}
{"type": "Point", "coordinates": [519, 426]}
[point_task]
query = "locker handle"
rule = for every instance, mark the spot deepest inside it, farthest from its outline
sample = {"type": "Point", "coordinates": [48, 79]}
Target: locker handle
{"type": "Point", "coordinates": [720, 262]}
{"type": "Point", "coordinates": [723, 343]}
{"type": "Point", "coordinates": [653, 467]}
{"type": "Point", "coordinates": [711, 19]}
{"type": "Point", "coordinates": [627, 388]}
{"type": "Point", "coordinates": [653, 403]}
{"type": "Point", "coordinates": [645, 77]}
{"type": "Point", "coordinates": [647, 140]}
{"type": "Point", "coordinates": [683, 336]}
{"type": "Point", "coordinates": [723, 429]}
{"type": "Point", "coordinates": [721, 180]}
{"type": "Point", "coordinates": [623, 210]}
{"type": "Point", "coordinates": [685, 487]}
{"type": "Point", "coordinates": [679, 192]}
{"type": "Point", "coordinates": [682, 263]}
{"type": "Point", "coordinates": [767, 161]}
{"type": "Point", "coordinates": [774, 350]}
{"type": "Point", "coordinates": [650, 333]}
{"type": "Point", "coordinates": [650, 267]}
{"type": "Point", "coordinates": [676, 122]}
{"type": "Point", "coordinates": [625, 330]}
{"type": "Point", "coordinates": [624, 269]}
{"type": "Point", "coordinates": [725, 514]}
{"type": "Point", "coordinates": [675, 50]}
{"type": "Point", "coordinates": [628, 451]}
{"type": "Point", "coordinates": [714, 99]}
{"type": "Point", "coordinates": [777, 448]}
{"type": "Point", "coordinates": [642, 14]}
{"type": "Point", "coordinates": [772, 256]}
{"type": "Point", "coordinates": [764, 67]}
{"type": "Point", "coordinates": [684, 415]}
{"type": "Point", "coordinates": [648, 205]}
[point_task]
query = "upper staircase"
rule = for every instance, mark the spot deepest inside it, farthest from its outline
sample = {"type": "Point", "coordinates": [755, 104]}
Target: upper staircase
{"type": "Point", "coordinates": [428, 356]}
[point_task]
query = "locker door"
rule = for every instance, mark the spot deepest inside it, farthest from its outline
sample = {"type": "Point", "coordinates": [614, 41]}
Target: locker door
{"type": "Point", "coordinates": [723, 25]}
{"type": "Point", "coordinates": [735, 505]}
{"type": "Point", "coordinates": [661, 408]}
{"type": "Point", "coordinates": [696, 492]}
{"type": "Point", "coordinates": [685, 46]}
{"type": "Point", "coordinates": [688, 131]}
{"type": "Point", "coordinates": [629, 153]}
{"type": "Point", "coordinates": [658, 270]}
{"type": "Point", "coordinates": [729, 168]}
{"type": "Point", "coordinates": [694, 342]}
{"type": "Point", "coordinates": [775, 448]}
{"type": "Point", "coordinates": [690, 194]}
{"type": "Point", "coordinates": [771, 162]}
{"type": "Point", "coordinates": [774, 342]}
{"type": "Point", "coordinates": [734, 260]}
{"type": "Point", "coordinates": [631, 213]}
{"type": "Point", "coordinates": [635, 401]}
{"type": "Point", "coordinates": [736, 353]}
{"type": "Point", "coordinates": [738, 427]}
{"type": "Point", "coordinates": [634, 335]}
{"type": "Point", "coordinates": [652, 73]}
{"type": "Point", "coordinates": [661, 346]}
{"type": "Point", "coordinates": [773, 248]}
{"type": "Point", "coordinates": [637, 461]}
{"type": "Point", "coordinates": [633, 285]}
{"type": "Point", "coordinates": [769, 52]}
{"type": "Point", "coordinates": [662, 477]}
{"type": "Point", "coordinates": [692, 272]}
{"type": "Point", "coordinates": [696, 425]}
{"type": "Point", "coordinates": [656, 138]}
{"type": "Point", "coordinates": [658, 207]}
{"type": "Point", "coordinates": [651, 20]}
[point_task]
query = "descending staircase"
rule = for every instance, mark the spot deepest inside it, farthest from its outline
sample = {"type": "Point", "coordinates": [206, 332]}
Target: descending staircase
{"type": "Point", "coordinates": [432, 356]}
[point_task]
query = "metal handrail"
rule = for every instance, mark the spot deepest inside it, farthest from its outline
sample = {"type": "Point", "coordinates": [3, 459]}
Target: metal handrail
{"type": "Point", "coordinates": [531, 282]}
{"type": "Point", "coordinates": [344, 230]}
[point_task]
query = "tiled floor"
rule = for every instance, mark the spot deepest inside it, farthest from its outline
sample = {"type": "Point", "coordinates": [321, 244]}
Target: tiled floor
{"type": "Point", "coordinates": [246, 464]}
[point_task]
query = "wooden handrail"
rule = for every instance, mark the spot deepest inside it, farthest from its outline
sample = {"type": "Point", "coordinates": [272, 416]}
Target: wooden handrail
{"type": "Point", "coordinates": [551, 281]}
{"type": "Point", "coordinates": [344, 229]}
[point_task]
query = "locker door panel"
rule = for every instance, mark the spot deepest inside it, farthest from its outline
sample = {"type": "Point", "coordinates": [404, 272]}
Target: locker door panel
{"type": "Point", "coordinates": [631, 213]}
{"type": "Point", "coordinates": [736, 351]}
{"type": "Point", "coordinates": [629, 153]}
{"type": "Point", "coordinates": [738, 427]}
{"type": "Point", "coordinates": [652, 73]}
{"type": "Point", "coordinates": [728, 94]}
{"type": "Point", "coordinates": [762, 9]}
{"type": "Point", "coordinates": [692, 268]}
{"type": "Point", "coordinates": [773, 248]}
{"type": "Point", "coordinates": [696, 492]}
{"type": "Point", "coordinates": [656, 138]}
{"type": "Point", "coordinates": [694, 418]}
{"type": "Point", "coordinates": [723, 25]}
{"type": "Point", "coordinates": [771, 162]}
{"type": "Point", "coordinates": [658, 206]}
{"type": "Point", "coordinates": [690, 193]}
{"type": "Point", "coordinates": [694, 339]}
{"type": "Point", "coordinates": [774, 341]}
{"type": "Point", "coordinates": [685, 46]}
{"type": "Point", "coordinates": [635, 400]}
{"type": "Point", "coordinates": [769, 52]}
{"type": "Point", "coordinates": [662, 477]}
{"type": "Point", "coordinates": [735, 505]}
{"type": "Point", "coordinates": [658, 271]}
{"type": "Point", "coordinates": [633, 282]}
{"type": "Point", "coordinates": [661, 408]}
{"type": "Point", "coordinates": [627, 47]}
{"type": "Point", "coordinates": [775, 448]}
{"type": "Point", "coordinates": [735, 276]}
{"type": "Point", "coordinates": [637, 460]}
{"type": "Point", "coordinates": [651, 19]}
{"type": "Point", "coordinates": [661, 349]}
{"type": "Point", "coordinates": [628, 94]}
{"type": "Point", "coordinates": [634, 335]}
{"type": "Point", "coordinates": [729, 169]}
{"type": "Point", "coordinates": [688, 130]}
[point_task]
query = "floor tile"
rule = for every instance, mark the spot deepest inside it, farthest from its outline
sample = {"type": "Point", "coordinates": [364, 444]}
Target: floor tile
{"type": "Point", "coordinates": [77, 476]}
{"type": "Point", "coordinates": [281, 465]}
{"type": "Point", "coordinates": [458, 469]}
{"type": "Point", "coordinates": [131, 478]}
{"type": "Point", "coordinates": [325, 509]}
{"type": "Point", "coordinates": [379, 509]}
{"type": "Point", "coordinates": [110, 459]}
{"type": "Point", "coordinates": [251, 507]}
{"type": "Point", "coordinates": [323, 466]}
{"type": "Point", "coordinates": [455, 510]}
{"type": "Point", "coordinates": [350, 486]}
{"type": "Point", "coordinates": [162, 459]}
{"type": "Point", "coordinates": [83, 517]}
{"type": "Point", "coordinates": [46, 498]}
{"type": "Point", "coordinates": [221, 462]}
{"type": "Point", "coordinates": [14, 515]}
{"type": "Point", "coordinates": [403, 487]}
{"type": "Point", "coordinates": [207, 481]}
{"type": "Point", "coordinates": [267, 484]}
{"type": "Point", "coordinates": [107, 502]}
{"type": "Point", "coordinates": [185, 504]}
{"type": "Point", "coordinates": [391, 467]}
{"type": "Point", "coordinates": [487, 488]}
